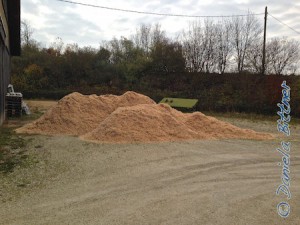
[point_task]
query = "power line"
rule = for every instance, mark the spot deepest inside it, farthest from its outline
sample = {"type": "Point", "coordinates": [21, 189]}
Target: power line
{"type": "Point", "coordinates": [150, 13]}
{"type": "Point", "coordinates": [284, 24]}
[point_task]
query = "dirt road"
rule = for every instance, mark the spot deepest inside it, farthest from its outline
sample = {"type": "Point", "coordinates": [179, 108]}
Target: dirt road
{"type": "Point", "coordinates": [202, 182]}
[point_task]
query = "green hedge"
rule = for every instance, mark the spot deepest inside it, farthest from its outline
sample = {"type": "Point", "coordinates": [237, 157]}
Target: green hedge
{"type": "Point", "coordinates": [221, 93]}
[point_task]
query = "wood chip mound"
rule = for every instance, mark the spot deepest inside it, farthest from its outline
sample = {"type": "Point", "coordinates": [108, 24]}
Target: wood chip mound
{"type": "Point", "coordinates": [161, 123]}
{"type": "Point", "coordinates": [131, 118]}
{"type": "Point", "coordinates": [77, 114]}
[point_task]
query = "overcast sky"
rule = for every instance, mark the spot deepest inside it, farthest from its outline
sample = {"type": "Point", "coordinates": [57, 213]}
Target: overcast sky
{"type": "Point", "coordinates": [90, 26]}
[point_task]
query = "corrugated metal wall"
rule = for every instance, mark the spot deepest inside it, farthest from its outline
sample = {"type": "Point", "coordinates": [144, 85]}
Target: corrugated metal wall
{"type": "Point", "coordinates": [2, 85]}
{"type": "Point", "coordinates": [4, 78]}
{"type": "Point", "coordinates": [9, 44]}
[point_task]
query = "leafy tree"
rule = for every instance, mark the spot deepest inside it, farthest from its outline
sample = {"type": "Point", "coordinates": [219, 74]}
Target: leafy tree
{"type": "Point", "coordinates": [35, 77]}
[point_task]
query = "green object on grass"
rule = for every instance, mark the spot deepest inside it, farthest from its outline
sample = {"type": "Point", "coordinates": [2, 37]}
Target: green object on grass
{"type": "Point", "coordinates": [180, 102]}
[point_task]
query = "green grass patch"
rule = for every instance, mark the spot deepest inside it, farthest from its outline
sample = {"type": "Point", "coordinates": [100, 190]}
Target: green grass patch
{"type": "Point", "coordinates": [33, 116]}
{"type": "Point", "coordinates": [12, 150]}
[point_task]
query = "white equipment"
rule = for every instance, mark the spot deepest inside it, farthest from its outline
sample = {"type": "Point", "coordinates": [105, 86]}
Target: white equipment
{"type": "Point", "coordinates": [14, 103]}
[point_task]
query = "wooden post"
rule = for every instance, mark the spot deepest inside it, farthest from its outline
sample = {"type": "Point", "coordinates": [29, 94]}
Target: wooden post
{"type": "Point", "coordinates": [264, 45]}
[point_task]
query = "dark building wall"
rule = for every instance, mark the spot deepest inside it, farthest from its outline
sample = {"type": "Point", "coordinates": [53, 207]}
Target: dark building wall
{"type": "Point", "coordinates": [9, 45]}
{"type": "Point", "coordinates": [14, 25]}
{"type": "Point", "coordinates": [4, 77]}
{"type": "Point", "coordinates": [2, 87]}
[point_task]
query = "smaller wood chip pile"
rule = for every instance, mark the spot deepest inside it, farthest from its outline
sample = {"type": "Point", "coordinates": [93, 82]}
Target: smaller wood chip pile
{"type": "Point", "coordinates": [129, 118]}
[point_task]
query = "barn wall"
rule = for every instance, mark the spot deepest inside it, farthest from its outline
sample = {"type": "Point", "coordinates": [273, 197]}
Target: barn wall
{"type": "Point", "coordinates": [4, 57]}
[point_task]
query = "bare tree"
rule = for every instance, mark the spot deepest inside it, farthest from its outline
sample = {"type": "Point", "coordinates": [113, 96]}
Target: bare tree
{"type": "Point", "coordinates": [147, 37]}
{"type": "Point", "coordinates": [283, 54]}
{"type": "Point", "coordinates": [246, 31]}
{"type": "Point", "coordinates": [210, 40]}
{"type": "Point", "coordinates": [208, 48]}
{"type": "Point", "coordinates": [194, 47]}
{"type": "Point", "coordinates": [142, 38]}
{"type": "Point", "coordinates": [57, 46]}
{"type": "Point", "coordinates": [254, 58]}
{"type": "Point", "coordinates": [26, 33]}
{"type": "Point", "coordinates": [224, 46]}
{"type": "Point", "coordinates": [157, 35]}
{"type": "Point", "coordinates": [293, 68]}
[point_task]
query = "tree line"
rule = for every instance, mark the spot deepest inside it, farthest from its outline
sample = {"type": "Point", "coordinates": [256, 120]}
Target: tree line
{"type": "Point", "coordinates": [151, 62]}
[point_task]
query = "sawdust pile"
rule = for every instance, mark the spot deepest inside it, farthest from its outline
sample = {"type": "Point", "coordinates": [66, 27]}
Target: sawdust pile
{"type": "Point", "coordinates": [131, 117]}
{"type": "Point", "coordinates": [77, 114]}
{"type": "Point", "coordinates": [160, 123]}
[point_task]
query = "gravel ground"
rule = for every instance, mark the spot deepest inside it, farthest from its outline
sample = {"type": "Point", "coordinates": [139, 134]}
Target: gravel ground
{"type": "Point", "coordinates": [201, 182]}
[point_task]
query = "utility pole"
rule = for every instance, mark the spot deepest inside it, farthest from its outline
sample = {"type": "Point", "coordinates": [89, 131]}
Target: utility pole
{"type": "Point", "coordinates": [264, 45]}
